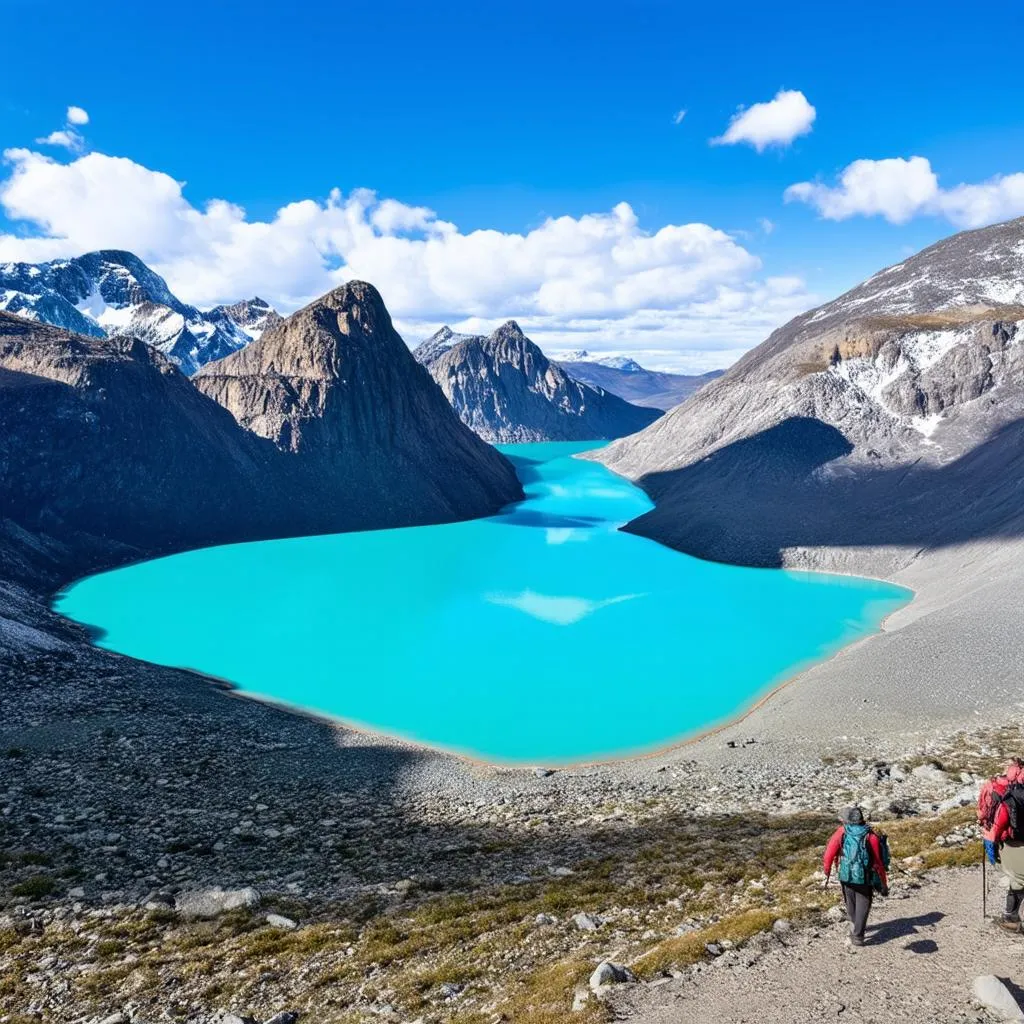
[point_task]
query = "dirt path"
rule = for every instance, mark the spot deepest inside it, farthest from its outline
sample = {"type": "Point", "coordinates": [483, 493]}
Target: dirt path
{"type": "Point", "coordinates": [926, 946]}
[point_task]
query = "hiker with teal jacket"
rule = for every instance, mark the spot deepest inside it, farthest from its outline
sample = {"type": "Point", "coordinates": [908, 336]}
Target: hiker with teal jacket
{"type": "Point", "coordinates": [863, 856]}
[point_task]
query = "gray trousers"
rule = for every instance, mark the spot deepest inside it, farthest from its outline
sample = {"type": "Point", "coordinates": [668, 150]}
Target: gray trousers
{"type": "Point", "coordinates": [858, 905]}
{"type": "Point", "coordinates": [1011, 862]}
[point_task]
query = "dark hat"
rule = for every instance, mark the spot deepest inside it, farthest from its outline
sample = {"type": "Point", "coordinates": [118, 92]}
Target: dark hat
{"type": "Point", "coordinates": [853, 816]}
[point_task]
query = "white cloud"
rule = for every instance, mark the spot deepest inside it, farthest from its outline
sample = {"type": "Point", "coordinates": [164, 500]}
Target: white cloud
{"type": "Point", "coordinates": [899, 189]}
{"type": "Point", "coordinates": [678, 119]}
{"type": "Point", "coordinates": [775, 123]}
{"type": "Point", "coordinates": [686, 295]}
{"type": "Point", "coordinates": [766, 225]}
{"type": "Point", "coordinates": [67, 138]}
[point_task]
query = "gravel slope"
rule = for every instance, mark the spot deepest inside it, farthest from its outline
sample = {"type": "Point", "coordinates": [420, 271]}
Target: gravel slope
{"type": "Point", "coordinates": [926, 946]}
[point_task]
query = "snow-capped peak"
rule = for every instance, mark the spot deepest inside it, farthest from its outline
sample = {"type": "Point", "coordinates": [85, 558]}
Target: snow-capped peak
{"type": "Point", "coordinates": [112, 292]}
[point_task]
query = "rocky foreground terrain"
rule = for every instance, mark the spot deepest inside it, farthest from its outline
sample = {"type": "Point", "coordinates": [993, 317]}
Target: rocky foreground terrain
{"type": "Point", "coordinates": [172, 852]}
{"type": "Point", "coordinates": [506, 390]}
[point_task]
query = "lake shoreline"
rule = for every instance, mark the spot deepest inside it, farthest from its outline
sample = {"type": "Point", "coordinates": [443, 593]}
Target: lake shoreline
{"type": "Point", "coordinates": [525, 580]}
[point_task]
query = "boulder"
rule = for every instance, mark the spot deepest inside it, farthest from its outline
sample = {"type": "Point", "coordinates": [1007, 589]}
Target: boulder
{"type": "Point", "coordinates": [607, 973]}
{"type": "Point", "coordinates": [930, 773]}
{"type": "Point", "coordinates": [586, 922]}
{"type": "Point", "coordinates": [202, 904]}
{"type": "Point", "coordinates": [989, 992]}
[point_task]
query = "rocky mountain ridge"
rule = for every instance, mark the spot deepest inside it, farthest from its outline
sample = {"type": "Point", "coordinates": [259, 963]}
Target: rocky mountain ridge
{"type": "Point", "coordinates": [335, 385]}
{"type": "Point", "coordinates": [505, 389]}
{"type": "Point", "coordinates": [862, 431]}
{"type": "Point", "coordinates": [111, 293]}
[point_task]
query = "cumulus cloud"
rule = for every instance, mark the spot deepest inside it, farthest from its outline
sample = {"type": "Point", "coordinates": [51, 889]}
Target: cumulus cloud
{"type": "Point", "coordinates": [678, 119]}
{"type": "Point", "coordinates": [689, 291]}
{"type": "Point", "coordinates": [774, 123]}
{"type": "Point", "coordinates": [76, 115]}
{"type": "Point", "coordinates": [899, 189]}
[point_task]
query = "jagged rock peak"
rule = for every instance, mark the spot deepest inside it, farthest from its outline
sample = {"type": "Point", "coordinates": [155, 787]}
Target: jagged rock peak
{"type": "Point", "coordinates": [506, 390]}
{"type": "Point", "coordinates": [335, 384]}
{"type": "Point", "coordinates": [510, 331]}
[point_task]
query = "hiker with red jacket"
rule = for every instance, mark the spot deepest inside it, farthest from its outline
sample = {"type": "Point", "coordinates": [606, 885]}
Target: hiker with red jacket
{"type": "Point", "coordinates": [863, 856]}
{"type": "Point", "coordinates": [989, 800]}
{"type": "Point", "coordinates": [1008, 835]}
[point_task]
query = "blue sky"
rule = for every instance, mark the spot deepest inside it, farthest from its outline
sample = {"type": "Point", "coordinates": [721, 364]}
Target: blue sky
{"type": "Point", "coordinates": [498, 117]}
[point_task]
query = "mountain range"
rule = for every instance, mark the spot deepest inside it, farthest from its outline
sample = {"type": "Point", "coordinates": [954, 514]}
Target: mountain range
{"type": "Point", "coordinates": [108, 453]}
{"type": "Point", "coordinates": [505, 389]}
{"type": "Point", "coordinates": [112, 293]}
{"type": "Point", "coordinates": [626, 378]}
{"type": "Point", "coordinates": [880, 425]}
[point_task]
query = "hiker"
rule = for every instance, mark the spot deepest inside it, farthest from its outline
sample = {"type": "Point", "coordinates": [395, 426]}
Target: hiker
{"type": "Point", "coordinates": [863, 857]}
{"type": "Point", "coordinates": [1008, 836]}
{"type": "Point", "coordinates": [989, 800]}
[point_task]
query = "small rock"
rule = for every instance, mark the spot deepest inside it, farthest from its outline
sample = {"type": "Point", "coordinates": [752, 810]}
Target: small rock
{"type": "Point", "coordinates": [284, 1017]}
{"type": "Point", "coordinates": [988, 991]}
{"type": "Point", "coordinates": [560, 872]}
{"type": "Point", "coordinates": [713, 949]}
{"type": "Point", "coordinates": [835, 913]}
{"type": "Point", "coordinates": [607, 973]}
{"type": "Point", "coordinates": [580, 998]}
{"type": "Point", "coordinates": [77, 893]}
{"type": "Point", "coordinates": [545, 919]}
{"type": "Point", "coordinates": [782, 927]}
{"type": "Point", "coordinates": [586, 922]}
{"type": "Point", "coordinates": [115, 1018]}
{"type": "Point", "coordinates": [543, 773]}
{"type": "Point", "coordinates": [280, 921]}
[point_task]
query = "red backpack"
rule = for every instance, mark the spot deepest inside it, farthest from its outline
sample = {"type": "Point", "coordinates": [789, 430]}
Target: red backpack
{"type": "Point", "coordinates": [989, 799]}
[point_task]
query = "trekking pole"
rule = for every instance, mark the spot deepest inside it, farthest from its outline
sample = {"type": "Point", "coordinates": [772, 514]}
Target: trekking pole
{"type": "Point", "coordinates": [984, 882]}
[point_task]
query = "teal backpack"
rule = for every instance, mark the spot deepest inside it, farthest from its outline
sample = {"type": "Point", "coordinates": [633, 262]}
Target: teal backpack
{"type": "Point", "coordinates": [854, 857]}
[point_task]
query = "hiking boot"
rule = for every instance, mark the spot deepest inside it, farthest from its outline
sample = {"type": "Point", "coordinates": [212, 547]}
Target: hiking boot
{"type": "Point", "coordinates": [856, 940]}
{"type": "Point", "coordinates": [1010, 924]}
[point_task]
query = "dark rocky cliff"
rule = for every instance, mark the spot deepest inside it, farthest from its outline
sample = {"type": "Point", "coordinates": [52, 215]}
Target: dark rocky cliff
{"type": "Point", "coordinates": [372, 440]}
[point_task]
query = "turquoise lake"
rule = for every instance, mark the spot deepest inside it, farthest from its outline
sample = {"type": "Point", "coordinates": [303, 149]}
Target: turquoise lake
{"type": "Point", "coordinates": [541, 635]}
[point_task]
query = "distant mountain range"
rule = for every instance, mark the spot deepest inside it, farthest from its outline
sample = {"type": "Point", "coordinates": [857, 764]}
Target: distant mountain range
{"type": "Point", "coordinates": [505, 389]}
{"type": "Point", "coordinates": [112, 293]}
{"type": "Point", "coordinates": [626, 378]}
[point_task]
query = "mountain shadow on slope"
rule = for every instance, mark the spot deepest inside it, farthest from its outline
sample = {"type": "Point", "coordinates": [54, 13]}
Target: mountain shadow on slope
{"type": "Point", "coordinates": [788, 487]}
